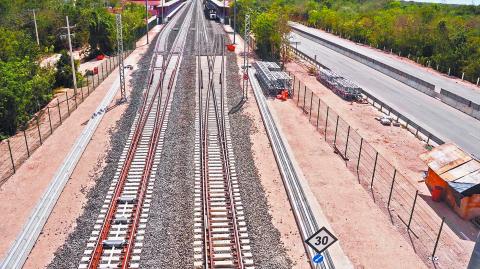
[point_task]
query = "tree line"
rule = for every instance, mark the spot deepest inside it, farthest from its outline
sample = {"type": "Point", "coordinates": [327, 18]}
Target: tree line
{"type": "Point", "coordinates": [447, 36]}
{"type": "Point", "coordinates": [25, 86]}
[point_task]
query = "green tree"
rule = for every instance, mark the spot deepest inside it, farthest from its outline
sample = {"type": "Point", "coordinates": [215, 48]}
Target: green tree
{"type": "Point", "coordinates": [63, 76]}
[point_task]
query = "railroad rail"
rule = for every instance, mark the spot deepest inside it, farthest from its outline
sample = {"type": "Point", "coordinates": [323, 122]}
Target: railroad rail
{"type": "Point", "coordinates": [302, 211]}
{"type": "Point", "coordinates": [116, 240]}
{"type": "Point", "coordinates": [221, 238]}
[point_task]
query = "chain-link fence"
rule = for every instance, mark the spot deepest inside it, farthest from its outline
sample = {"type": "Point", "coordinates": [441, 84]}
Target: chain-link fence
{"type": "Point", "coordinates": [392, 191]}
{"type": "Point", "coordinates": [15, 150]}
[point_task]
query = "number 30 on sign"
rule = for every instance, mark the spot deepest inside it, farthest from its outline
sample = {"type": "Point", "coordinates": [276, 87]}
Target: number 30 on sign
{"type": "Point", "coordinates": [321, 240]}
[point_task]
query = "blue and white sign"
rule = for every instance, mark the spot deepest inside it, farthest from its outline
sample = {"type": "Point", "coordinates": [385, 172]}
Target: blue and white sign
{"type": "Point", "coordinates": [318, 258]}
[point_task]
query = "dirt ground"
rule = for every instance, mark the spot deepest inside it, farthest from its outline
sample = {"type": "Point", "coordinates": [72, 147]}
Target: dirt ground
{"type": "Point", "coordinates": [391, 143]}
{"type": "Point", "coordinates": [400, 148]}
{"type": "Point", "coordinates": [357, 221]}
{"type": "Point", "coordinates": [271, 180]}
{"type": "Point", "coordinates": [31, 179]}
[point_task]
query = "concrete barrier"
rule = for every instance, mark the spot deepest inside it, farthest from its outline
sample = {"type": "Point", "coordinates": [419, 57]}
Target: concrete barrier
{"type": "Point", "coordinates": [412, 126]}
{"type": "Point", "coordinates": [412, 81]}
{"type": "Point", "coordinates": [460, 103]}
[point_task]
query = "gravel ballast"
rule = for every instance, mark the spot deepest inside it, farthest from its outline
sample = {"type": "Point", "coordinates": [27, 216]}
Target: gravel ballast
{"type": "Point", "coordinates": [69, 255]}
{"type": "Point", "coordinates": [268, 252]}
{"type": "Point", "coordinates": [169, 233]}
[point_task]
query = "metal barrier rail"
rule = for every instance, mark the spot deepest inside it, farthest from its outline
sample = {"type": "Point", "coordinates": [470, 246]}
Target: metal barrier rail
{"type": "Point", "coordinates": [304, 216]}
{"type": "Point", "coordinates": [391, 190]}
{"type": "Point", "coordinates": [414, 127]}
{"type": "Point", "coordinates": [20, 249]}
{"type": "Point", "coordinates": [25, 241]}
{"type": "Point", "coordinates": [406, 78]}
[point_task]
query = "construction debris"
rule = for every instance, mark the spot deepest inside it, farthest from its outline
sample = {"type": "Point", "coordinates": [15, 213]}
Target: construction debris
{"type": "Point", "coordinates": [339, 85]}
{"type": "Point", "coordinates": [272, 80]}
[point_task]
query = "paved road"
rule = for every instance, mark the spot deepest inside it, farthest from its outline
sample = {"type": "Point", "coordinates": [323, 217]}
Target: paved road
{"type": "Point", "coordinates": [438, 118]}
{"type": "Point", "coordinates": [469, 92]}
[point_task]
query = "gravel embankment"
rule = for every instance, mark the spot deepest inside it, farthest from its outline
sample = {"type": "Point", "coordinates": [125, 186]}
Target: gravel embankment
{"type": "Point", "coordinates": [169, 234]}
{"type": "Point", "coordinates": [69, 255]}
{"type": "Point", "coordinates": [267, 250]}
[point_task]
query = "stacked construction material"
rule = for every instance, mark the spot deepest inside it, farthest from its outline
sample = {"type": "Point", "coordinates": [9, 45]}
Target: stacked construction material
{"type": "Point", "coordinates": [271, 79]}
{"type": "Point", "coordinates": [339, 85]}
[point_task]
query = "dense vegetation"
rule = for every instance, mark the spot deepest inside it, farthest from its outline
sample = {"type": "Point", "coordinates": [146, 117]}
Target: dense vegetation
{"type": "Point", "coordinates": [443, 35]}
{"type": "Point", "coordinates": [25, 86]}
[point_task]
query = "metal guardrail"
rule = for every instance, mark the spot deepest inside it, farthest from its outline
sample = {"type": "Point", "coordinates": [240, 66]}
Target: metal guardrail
{"type": "Point", "coordinates": [25, 241]}
{"type": "Point", "coordinates": [414, 127]}
{"type": "Point", "coordinates": [302, 211]}
{"type": "Point", "coordinates": [406, 78]}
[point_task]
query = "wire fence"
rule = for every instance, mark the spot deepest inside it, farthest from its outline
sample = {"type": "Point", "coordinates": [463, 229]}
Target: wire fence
{"type": "Point", "coordinates": [18, 148]}
{"type": "Point", "coordinates": [389, 189]}
{"type": "Point", "coordinates": [419, 131]}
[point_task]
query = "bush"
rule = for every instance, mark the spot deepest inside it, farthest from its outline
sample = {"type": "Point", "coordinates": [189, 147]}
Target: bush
{"type": "Point", "coordinates": [63, 75]}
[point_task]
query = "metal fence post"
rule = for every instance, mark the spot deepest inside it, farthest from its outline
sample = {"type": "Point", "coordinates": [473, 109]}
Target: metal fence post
{"type": "Point", "coordinates": [75, 99]}
{"type": "Point", "coordinates": [26, 142]}
{"type": "Point", "coordinates": [304, 97]}
{"type": "Point", "coordinates": [374, 170]}
{"type": "Point", "coordinates": [298, 97]}
{"type": "Point", "coordinates": [103, 72]}
{"type": "Point", "coordinates": [311, 102]}
{"type": "Point", "coordinates": [39, 133]}
{"type": "Point", "coordinates": [411, 212]}
{"type": "Point", "coordinates": [49, 120]}
{"type": "Point", "coordinates": [391, 188]}
{"type": "Point", "coordinates": [59, 113]}
{"type": "Point", "coordinates": [318, 112]}
{"type": "Point", "coordinates": [68, 106]}
{"type": "Point", "coordinates": [359, 154]}
{"type": "Point", "coordinates": [88, 86]}
{"type": "Point", "coordinates": [98, 78]}
{"type": "Point", "coordinates": [11, 156]}
{"type": "Point", "coordinates": [346, 143]}
{"type": "Point", "coordinates": [293, 88]}
{"type": "Point", "coordinates": [81, 90]}
{"type": "Point", "coordinates": [438, 238]}
{"type": "Point", "coordinates": [326, 123]}
{"type": "Point", "coordinates": [336, 129]}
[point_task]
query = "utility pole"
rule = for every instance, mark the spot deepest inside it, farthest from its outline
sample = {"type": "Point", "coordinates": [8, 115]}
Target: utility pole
{"type": "Point", "coordinates": [246, 49]}
{"type": "Point", "coordinates": [234, 20]}
{"type": "Point", "coordinates": [146, 16]}
{"type": "Point", "coordinates": [121, 67]}
{"type": "Point", "coordinates": [36, 29]}
{"type": "Point", "coordinates": [163, 7]}
{"type": "Point", "coordinates": [71, 58]}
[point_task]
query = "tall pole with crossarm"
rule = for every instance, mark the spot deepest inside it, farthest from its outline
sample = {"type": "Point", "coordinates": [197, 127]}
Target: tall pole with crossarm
{"type": "Point", "coordinates": [71, 58]}
{"type": "Point", "coordinates": [146, 16]}
{"type": "Point", "coordinates": [246, 49]}
{"type": "Point", "coordinates": [121, 67]}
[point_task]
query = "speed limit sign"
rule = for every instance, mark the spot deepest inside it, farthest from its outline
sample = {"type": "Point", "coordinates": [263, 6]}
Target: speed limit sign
{"type": "Point", "coordinates": [321, 240]}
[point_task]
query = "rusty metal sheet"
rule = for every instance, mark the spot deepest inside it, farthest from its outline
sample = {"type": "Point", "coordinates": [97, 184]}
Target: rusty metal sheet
{"type": "Point", "coordinates": [472, 178]}
{"type": "Point", "coordinates": [461, 170]}
{"type": "Point", "coordinates": [445, 157]}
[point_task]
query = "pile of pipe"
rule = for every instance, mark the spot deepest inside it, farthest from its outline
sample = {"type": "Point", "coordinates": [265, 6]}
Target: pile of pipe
{"type": "Point", "coordinates": [272, 80]}
{"type": "Point", "coordinates": [339, 85]}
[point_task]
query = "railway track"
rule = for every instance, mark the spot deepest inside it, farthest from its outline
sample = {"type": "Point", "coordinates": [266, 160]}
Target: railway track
{"type": "Point", "coordinates": [221, 238]}
{"type": "Point", "coordinates": [117, 238]}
